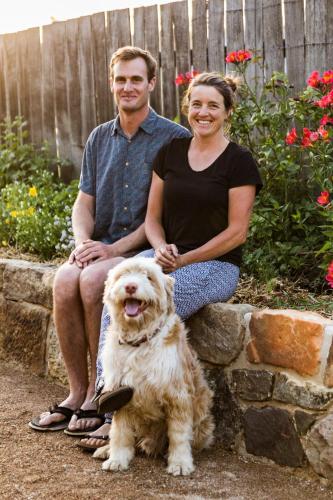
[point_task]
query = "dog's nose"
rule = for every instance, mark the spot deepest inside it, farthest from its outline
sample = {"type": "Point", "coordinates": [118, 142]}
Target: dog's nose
{"type": "Point", "coordinates": [131, 288]}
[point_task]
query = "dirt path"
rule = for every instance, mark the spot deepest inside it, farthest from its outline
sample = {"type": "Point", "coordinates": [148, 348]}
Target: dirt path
{"type": "Point", "coordinates": [43, 465]}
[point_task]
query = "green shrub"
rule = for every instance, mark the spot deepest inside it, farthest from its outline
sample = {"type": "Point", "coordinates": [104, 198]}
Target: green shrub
{"type": "Point", "coordinates": [292, 141]}
{"type": "Point", "coordinates": [35, 205]}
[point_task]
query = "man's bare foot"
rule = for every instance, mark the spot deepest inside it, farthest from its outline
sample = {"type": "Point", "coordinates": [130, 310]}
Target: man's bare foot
{"type": "Point", "coordinates": [96, 439]}
{"type": "Point", "coordinates": [85, 424]}
{"type": "Point", "coordinates": [72, 402]}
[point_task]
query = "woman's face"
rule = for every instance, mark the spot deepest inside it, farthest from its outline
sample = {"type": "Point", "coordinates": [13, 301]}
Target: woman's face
{"type": "Point", "coordinates": [207, 113]}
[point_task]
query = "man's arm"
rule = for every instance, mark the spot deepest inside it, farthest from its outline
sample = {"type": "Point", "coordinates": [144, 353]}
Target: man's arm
{"type": "Point", "coordinates": [83, 224]}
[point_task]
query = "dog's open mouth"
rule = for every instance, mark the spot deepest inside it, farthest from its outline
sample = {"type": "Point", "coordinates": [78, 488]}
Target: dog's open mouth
{"type": "Point", "coordinates": [134, 307]}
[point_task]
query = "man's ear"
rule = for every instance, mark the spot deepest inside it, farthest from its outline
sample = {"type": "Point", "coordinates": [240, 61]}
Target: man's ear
{"type": "Point", "coordinates": [111, 84]}
{"type": "Point", "coordinates": [151, 84]}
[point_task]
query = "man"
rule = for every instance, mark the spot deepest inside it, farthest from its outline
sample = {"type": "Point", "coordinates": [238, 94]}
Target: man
{"type": "Point", "coordinates": [108, 217]}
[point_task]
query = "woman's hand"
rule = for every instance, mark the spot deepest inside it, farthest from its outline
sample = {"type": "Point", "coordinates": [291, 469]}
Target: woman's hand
{"type": "Point", "coordinates": [166, 256]}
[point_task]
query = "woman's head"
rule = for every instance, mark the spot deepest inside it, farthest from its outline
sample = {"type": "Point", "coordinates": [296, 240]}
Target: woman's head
{"type": "Point", "coordinates": [209, 100]}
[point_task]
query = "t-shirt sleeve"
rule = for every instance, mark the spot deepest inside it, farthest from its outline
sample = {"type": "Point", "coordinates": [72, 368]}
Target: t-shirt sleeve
{"type": "Point", "coordinates": [87, 182]}
{"type": "Point", "coordinates": [159, 163]}
{"type": "Point", "coordinates": [245, 172]}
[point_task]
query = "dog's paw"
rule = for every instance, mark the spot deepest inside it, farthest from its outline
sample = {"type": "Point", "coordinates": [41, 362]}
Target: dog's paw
{"type": "Point", "coordinates": [115, 465]}
{"type": "Point", "coordinates": [180, 468]}
{"type": "Point", "coordinates": [102, 453]}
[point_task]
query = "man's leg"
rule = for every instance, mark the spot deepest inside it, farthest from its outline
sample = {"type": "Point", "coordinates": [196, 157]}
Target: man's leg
{"type": "Point", "coordinates": [69, 323]}
{"type": "Point", "coordinates": [91, 285]}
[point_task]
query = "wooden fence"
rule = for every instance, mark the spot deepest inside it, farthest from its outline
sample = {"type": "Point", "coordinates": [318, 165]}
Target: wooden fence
{"type": "Point", "coordinates": [57, 76]}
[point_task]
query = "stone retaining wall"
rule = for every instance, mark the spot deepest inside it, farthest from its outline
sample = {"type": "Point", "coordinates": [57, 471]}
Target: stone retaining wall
{"type": "Point", "coordinates": [272, 371]}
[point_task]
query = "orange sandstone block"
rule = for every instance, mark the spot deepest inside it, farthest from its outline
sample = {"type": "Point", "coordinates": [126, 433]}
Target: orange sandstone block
{"type": "Point", "coordinates": [287, 338]}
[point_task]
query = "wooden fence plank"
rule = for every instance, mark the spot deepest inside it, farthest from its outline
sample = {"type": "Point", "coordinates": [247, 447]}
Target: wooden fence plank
{"type": "Point", "coordinates": [254, 42]}
{"type": "Point", "coordinates": [234, 24]}
{"type": "Point", "coordinates": [294, 41]}
{"type": "Point", "coordinates": [329, 39]}
{"type": "Point", "coordinates": [168, 63]}
{"type": "Point", "coordinates": [74, 89]}
{"type": "Point", "coordinates": [139, 38]}
{"type": "Point", "coordinates": [315, 35]}
{"type": "Point", "coordinates": [10, 75]}
{"type": "Point", "coordinates": [2, 84]}
{"type": "Point", "coordinates": [152, 44]}
{"type": "Point", "coordinates": [60, 91]}
{"type": "Point", "coordinates": [87, 84]}
{"type": "Point", "coordinates": [102, 84]}
{"type": "Point", "coordinates": [118, 35]}
{"type": "Point", "coordinates": [182, 43]}
{"type": "Point", "coordinates": [47, 86]}
{"type": "Point", "coordinates": [34, 64]}
{"type": "Point", "coordinates": [199, 35]}
{"type": "Point", "coordinates": [272, 36]}
{"type": "Point", "coordinates": [23, 77]}
{"type": "Point", "coordinates": [216, 40]}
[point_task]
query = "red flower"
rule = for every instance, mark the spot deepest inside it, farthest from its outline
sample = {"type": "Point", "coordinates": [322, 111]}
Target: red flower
{"type": "Point", "coordinates": [325, 101]}
{"type": "Point", "coordinates": [324, 198]}
{"type": "Point", "coordinates": [327, 77]}
{"type": "Point", "coordinates": [325, 120]}
{"type": "Point", "coordinates": [314, 136]}
{"type": "Point", "coordinates": [306, 140]}
{"type": "Point", "coordinates": [291, 137]}
{"type": "Point", "coordinates": [314, 79]}
{"type": "Point", "coordinates": [180, 79]}
{"type": "Point", "coordinates": [323, 133]}
{"type": "Point", "coordinates": [239, 56]}
{"type": "Point", "coordinates": [329, 276]}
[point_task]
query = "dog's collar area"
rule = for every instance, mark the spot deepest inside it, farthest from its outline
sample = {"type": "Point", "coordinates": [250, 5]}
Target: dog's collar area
{"type": "Point", "coordinates": [136, 343]}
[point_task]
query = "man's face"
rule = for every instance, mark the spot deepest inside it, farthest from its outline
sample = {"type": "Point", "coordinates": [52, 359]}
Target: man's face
{"type": "Point", "coordinates": [130, 85]}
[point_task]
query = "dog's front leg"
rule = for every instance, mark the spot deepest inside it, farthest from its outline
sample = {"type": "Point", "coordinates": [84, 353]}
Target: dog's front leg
{"type": "Point", "coordinates": [121, 450]}
{"type": "Point", "coordinates": [179, 421]}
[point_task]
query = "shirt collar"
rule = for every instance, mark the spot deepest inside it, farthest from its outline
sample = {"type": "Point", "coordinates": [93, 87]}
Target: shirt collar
{"type": "Point", "coordinates": [148, 124]}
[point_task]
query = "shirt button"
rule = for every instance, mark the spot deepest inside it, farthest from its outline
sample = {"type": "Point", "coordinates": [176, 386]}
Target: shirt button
{"type": "Point", "coordinates": [127, 164]}
{"type": "Point", "coordinates": [125, 208]}
{"type": "Point", "coordinates": [129, 140]}
{"type": "Point", "coordinates": [126, 185]}
{"type": "Point", "coordinates": [124, 228]}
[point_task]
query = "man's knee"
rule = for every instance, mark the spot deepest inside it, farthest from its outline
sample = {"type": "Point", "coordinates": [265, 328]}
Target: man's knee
{"type": "Point", "coordinates": [92, 280]}
{"type": "Point", "coordinates": [66, 283]}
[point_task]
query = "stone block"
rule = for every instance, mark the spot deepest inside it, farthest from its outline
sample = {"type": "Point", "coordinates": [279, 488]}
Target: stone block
{"type": "Point", "coordinates": [328, 376]}
{"type": "Point", "coordinates": [23, 333]}
{"type": "Point", "coordinates": [318, 447]}
{"type": "Point", "coordinates": [2, 270]}
{"type": "Point", "coordinates": [307, 395]}
{"type": "Point", "coordinates": [304, 421]}
{"type": "Point", "coordinates": [287, 338]}
{"type": "Point", "coordinates": [226, 411]}
{"type": "Point", "coordinates": [253, 385]}
{"type": "Point", "coordinates": [28, 281]}
{"type": "Point", "coordinates": [217, 332]}
{"type": "Point", "coordinates": [55, 363]}
{"type": "Point", "coordinates": [270, 432]}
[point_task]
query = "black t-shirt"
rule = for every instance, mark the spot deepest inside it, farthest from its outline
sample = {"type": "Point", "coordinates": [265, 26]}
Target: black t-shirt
{"type": "Point", "coordinates": [195, 204]}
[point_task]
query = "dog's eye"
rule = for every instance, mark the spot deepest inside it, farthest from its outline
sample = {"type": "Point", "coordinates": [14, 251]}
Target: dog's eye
{"type": "Point", "coordinates": [149, 277]}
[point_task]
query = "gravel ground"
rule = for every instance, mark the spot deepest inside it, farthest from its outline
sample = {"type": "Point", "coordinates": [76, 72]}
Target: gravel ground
{"type": "Point", "coordinates": [49, 465]}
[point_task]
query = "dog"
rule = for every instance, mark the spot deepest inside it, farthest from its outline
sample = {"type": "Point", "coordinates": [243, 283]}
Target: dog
{"type": "Point", "coordinates": [146, 348]}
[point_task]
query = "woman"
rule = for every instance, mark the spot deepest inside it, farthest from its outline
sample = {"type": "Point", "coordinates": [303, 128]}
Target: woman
{"type": "Point", "coordinates": [200, 202]}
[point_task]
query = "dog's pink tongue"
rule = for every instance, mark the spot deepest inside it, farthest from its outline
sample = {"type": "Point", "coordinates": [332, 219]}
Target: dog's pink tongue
{"type": "Point", "coordinates": [132, 307]}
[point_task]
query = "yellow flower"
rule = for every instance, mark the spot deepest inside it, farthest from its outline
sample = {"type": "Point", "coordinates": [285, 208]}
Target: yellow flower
{"type": "Point", "coordinates": [7, 221]}
{"type": "Point", "coordinates": [33, 192]}
{"type": "Point", "coordinates": [31, 210]}
{"type": "Point", "coordinates": [13, 213]}
{"type": "Point", "coordinates": [4, 243]}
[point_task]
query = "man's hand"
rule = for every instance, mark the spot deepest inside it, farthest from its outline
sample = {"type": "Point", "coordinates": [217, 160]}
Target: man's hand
{"type": "Point", "coordinates": [90, 251]}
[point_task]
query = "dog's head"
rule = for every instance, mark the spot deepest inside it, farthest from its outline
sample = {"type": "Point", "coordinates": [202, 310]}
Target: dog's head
{"type": "Point", "coordinates": [138, 295]}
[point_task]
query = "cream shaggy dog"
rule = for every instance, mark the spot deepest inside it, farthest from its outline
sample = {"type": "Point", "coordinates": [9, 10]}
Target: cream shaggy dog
{"type": "Point", "coordinates": [146, 348]}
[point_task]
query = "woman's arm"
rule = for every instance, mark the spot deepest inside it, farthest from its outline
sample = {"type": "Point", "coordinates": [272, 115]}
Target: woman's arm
{"type": "Point", "coordinates": [241, 200]}
{"type": "Point", "coordinates": [165, 253]}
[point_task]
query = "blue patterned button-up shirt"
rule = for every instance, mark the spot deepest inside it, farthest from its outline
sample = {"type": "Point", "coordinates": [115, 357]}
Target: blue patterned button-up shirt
{"type": "Point", "coordinates": [117, 171]}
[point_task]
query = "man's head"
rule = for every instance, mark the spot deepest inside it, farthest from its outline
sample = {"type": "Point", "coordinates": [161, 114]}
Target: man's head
{"type": "Point", "coordinates": [132, 77]}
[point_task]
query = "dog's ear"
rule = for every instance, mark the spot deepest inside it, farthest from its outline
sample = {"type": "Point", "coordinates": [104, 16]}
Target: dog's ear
{"type": "Point", "coordinates": [107, 285]}
{"type": "Point", "coordinates": [169, 286]}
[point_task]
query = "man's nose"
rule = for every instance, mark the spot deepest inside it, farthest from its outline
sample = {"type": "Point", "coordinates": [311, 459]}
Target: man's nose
{"type": "Point", "coordinates": [128, 85]}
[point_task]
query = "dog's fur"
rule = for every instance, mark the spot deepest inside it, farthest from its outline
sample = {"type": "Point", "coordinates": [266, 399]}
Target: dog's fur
{"type": "Point", "coordinates": [146, 348]}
